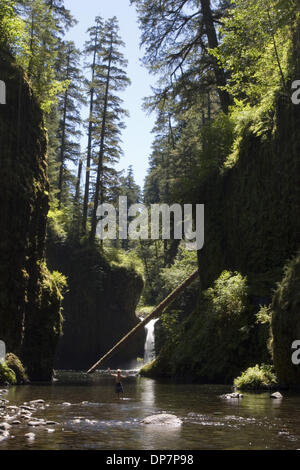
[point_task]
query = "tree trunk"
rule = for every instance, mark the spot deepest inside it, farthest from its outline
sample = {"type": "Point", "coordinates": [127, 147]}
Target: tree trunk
{"type": "Point", "coordinates": [156, 313]}
{"type": "Point", "coordinates": [63, 143]}
{"type": "Point", "coordinates": [89, 147]}
{"type": "Point", "coordinates": [211, 33]}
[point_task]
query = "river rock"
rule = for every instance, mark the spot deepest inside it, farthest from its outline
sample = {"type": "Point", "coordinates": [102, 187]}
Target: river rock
{"type": "Point", "coordinates": [5, 426]}
{"type": "Point", "coordinates": [66, 404]}
{"type": "Point", "coordinates": [30, 436]}
{"type": "Point", "coordinates": [36, 422]}
{"type": "Point", "coordinates": [163, 419]}
{"type": "Point", "coordinates": [276, 395]}
{"type": "Point", "coordinates": [27, 408]}
{"type": "Point", "coordinates": [3, 435]}
{"type": "Point", "coordinates": [15, 422]}
{"type": "Point", "coordinates": [51, 423]}
{"type": "Point", "coordinates": [229, 396]}
{"type": "Point", "coordinates": [12, 408]}
{"type": "Point", "coordinates": [40, 401]}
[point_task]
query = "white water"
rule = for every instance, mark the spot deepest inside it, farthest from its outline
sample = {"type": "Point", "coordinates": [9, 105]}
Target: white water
{"type": "Point", "coordinates": [149, 351]}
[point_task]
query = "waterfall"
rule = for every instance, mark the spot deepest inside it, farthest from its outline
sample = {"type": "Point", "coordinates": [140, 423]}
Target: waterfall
{"type": "Point", "coordinates": [149, 351]}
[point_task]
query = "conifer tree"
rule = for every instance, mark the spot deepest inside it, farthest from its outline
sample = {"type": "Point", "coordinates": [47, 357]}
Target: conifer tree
{"type": "Point", "coordinates": [111, 78]}
{"type": "Point", "coordinates": [92, 50]}
{"type": "Point", "coordinates": [69, 131]}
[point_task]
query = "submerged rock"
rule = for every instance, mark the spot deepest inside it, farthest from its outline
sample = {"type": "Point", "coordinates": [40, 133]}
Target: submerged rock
{"type": "Point", "coordinates": [3, 435]}
{"type": "Point", "coordinates": [37, 402]}
{"type": "Point", "coordinates": [276, 395]}
{"type": "Point", "coordinates": [229, 396]}
{"type": "Point", "coordinates": [163, 419]}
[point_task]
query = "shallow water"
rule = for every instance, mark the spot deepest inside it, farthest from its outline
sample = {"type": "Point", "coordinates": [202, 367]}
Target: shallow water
{"type": "Point", "coordinates": [103, 422]}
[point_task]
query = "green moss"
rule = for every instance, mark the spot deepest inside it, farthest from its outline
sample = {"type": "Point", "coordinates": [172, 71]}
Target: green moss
{"type": "Point", "coordinates": [7, 375]}
{"type": "Point", "coordinates": [257, 378]}
{"type": "Point", "coordinates": [44, 326]}
{"type": "Point", "coordinates": [14, 363]}
{"type": "Point", "coordinates": [148, 370]}
{"type": "Point", "coordinates": [30, 300]}
{"type": "Point", "coordinates": [218, 340]}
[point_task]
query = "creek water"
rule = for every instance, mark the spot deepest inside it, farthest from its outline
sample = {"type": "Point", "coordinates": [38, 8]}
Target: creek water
{"type": "Point", "coordinates": [95, 419]}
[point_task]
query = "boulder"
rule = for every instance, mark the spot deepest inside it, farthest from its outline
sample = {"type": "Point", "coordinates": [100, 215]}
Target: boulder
{"type": "Point", "coordinates": [163, 419]}
{"type": "Point", "coordinates": [276, 395]}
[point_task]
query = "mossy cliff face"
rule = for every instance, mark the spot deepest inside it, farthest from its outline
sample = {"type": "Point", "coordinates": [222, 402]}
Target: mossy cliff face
{"type": "Point", "coordinates": [99, 307]}
{"type": "Point", "coordinates": [29, 300]}
{"type": "Point", "coordinates": [217, 339]}
{"type": "Point", "coordinates": [285, 310]}
{"type": "Point", "coordinates": [252, 226]}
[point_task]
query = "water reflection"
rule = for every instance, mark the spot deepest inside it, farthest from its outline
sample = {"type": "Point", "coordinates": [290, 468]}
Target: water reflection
{"type": "Point", "coordinates": [146, 389]}
{"type": "Point", "coordinates": [95, 419]}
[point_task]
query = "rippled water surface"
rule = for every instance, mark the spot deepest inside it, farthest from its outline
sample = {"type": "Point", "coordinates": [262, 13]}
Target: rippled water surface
{"type": "Point", "coordinates": [95, 419]}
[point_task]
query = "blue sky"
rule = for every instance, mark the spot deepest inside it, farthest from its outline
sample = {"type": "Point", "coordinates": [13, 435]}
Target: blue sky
{"type": "Point", "coordinates": [137, 137]}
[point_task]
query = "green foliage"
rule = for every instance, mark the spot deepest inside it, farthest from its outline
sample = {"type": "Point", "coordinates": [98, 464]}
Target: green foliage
{"type": "Point", "coordinates": [228, 295]}
{"type": "Point", "coordinates": [12, 28]}
{"type": "Point", "coordinates": [59, 280]}
{"type": "Point", "coordinates": [14, 363]}
{"type": "Point", "coordinates": [257, 378]}
{"type": "Point", "coordinates": [184, 264]}
{"type": "Point", "coordinates": [264, 316]}
{"type": "Point", "coordinates": [38, 56]}
{"type": "Point", "coordinates": [58, 220]}
{"type": "Point", "coordinates": [256, 51]}
{"type": "Point", "coordinates": [7, 375]}
{"type": "Point", "coordinates": [217, 340]}
{"type": "Point", "coordinates": [127, 259]}
{"type": "Point", "coordinates": [256, 40]}
{"type": "Point", "coordinates": [171, 326]}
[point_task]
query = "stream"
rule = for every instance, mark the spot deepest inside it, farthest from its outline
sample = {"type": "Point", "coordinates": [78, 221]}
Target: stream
{"type": "Point", "coordinates": [89, 416]}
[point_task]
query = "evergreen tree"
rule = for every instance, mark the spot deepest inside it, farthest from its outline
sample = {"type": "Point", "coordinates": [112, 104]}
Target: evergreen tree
{"type": "Point", "coordinates": [69, 111]}
{"type": "Point", "coordinates": [38, 57]}
{"type": "Point", "coordinates": [92, 49]}
{"type": "Point", "coordinates": [111, 78]}
{"type": "Point", "coordinates": [176, 32]}
{"type": "Point", "coordinates": [62, 16]}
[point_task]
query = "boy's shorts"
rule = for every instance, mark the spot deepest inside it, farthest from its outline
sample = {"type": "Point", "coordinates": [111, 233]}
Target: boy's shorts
{"type": "Point", "coordinates": [119, 388]}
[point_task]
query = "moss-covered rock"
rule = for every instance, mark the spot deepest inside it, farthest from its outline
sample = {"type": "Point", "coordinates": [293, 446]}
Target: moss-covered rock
{"type": "Point", "coordinates": [14, 364]}
{"type": "Point", "coordinates": [29, 305]}
{"type": "Point", "coordinates": [285, 324]}
{"type": "Point", "coordinates": [7, 375]}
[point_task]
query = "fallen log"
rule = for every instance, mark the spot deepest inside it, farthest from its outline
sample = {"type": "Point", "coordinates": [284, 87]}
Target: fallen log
{"type": "Point", "coordinates": [156, 312]}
